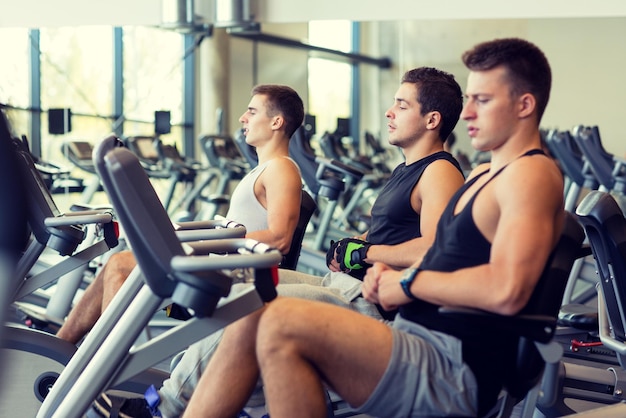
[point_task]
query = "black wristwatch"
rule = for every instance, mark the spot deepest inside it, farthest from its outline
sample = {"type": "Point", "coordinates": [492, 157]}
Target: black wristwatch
{"type": "Point", "coordinates": [408, 277]}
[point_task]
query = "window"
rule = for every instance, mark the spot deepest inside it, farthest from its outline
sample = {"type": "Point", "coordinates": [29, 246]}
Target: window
{"type": "Point", "coordinates": [153, 80]}
{"type": "Point", "coordinates": [14, 81]}
{"type": "Point", "coordinates": [330, 81]}
{"type": "Point", "coordinates": [76, 73]}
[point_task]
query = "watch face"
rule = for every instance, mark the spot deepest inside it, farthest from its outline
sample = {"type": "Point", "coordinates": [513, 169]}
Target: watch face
{"type": "Point", "coordinates": [408, 274]}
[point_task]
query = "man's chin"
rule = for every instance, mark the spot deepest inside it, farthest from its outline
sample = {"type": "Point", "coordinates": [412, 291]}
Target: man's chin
{"type": "Point", "coordinates": [393, 141]}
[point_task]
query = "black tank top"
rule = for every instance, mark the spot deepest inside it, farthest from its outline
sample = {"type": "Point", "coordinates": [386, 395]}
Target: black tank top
{"type": "Point", "coordinates": [393, 219]}
{"type": "Point", "coordinates": [459, 244]}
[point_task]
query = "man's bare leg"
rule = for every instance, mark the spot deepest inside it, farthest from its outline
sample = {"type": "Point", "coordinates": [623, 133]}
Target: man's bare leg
{"type": "Point", "coordinates": [231, 375]}
{"type": "Point", "coordinates": [116, 275]}
{"type": "Point", "coordinates": [298, 354]}
{"type": "Point", "coordinates": [96, 297]}
{"type": "Point", "coordinates": [86, 312]}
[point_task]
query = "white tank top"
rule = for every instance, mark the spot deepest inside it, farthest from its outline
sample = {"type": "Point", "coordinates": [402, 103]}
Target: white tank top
{"type": "Point", "coordinates": [244, 207]}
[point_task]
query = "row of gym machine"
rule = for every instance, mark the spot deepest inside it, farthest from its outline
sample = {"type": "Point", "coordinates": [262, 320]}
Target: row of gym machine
{"type": "Point", "coordinates": [585, 374]}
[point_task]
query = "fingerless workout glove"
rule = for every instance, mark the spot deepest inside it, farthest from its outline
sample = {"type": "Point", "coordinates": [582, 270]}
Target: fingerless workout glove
{"type": "Point", "coordinates": [351, 253]}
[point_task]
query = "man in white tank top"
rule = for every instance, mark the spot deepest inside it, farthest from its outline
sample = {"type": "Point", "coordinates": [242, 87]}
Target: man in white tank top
{"type": "Point", "coordinates": [267, 201]}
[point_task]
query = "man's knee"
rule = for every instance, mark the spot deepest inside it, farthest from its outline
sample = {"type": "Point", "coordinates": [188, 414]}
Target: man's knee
{"type": "Point", "coordinates": [122, 258]}
{"type": "Point", "coordinates": [277, 322]}
{"type": "Point", "coordinates": [119, 266]}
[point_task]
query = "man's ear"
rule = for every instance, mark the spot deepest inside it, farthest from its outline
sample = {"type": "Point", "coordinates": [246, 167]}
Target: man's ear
{"type": "Point", "coordinates": [277, 122]}
{"type": "Point", "coordinates": [433, 119]}
{"type": "Point", "coordinates": [527, 105]}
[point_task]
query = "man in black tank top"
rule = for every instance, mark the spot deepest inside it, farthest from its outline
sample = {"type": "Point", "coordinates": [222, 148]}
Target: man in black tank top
{"type": "Point", "coordinates": [491, 246]}
{"type": "Point", "coordinates": [406, 210]}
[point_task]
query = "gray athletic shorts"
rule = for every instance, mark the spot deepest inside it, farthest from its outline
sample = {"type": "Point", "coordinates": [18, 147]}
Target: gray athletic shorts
{"type": "Point", "coordinates": [426, 376]}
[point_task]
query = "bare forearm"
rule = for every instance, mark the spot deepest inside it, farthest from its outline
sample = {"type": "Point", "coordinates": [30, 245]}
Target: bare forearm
{"type": "Point", "coordinates": [279, 241]}
{"type": "Point", "coordinates": [401, 255]}
{"type": "Point", "coordinates": [482, 287]}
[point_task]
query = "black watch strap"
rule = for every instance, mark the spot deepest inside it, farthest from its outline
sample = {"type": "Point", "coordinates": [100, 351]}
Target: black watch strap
{"type": "Point", "coordinates": [407, 280]}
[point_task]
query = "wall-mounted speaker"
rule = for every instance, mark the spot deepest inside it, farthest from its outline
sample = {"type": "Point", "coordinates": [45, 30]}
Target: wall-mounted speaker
{"type": "Point", "coordinates": [162, 123]}
{"type": "Point", "coordinates": [59, 121]}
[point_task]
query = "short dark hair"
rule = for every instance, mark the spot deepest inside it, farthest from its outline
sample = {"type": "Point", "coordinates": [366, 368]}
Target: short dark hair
{"type": "Point", "coordinates": [437, 91]}
{"type": "Point", "coordinates": [526, 66]}
{"type": "Point", "coordinates": [284, 100]}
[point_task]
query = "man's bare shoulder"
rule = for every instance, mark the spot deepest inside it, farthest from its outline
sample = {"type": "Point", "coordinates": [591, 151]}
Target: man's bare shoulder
{"type": "Point", "coordinates": [281, 170]}
{"type": "Point", "coordinates": [440, 180]}
{"type": "Point", "coordinates": [536, 169]}
{"type": "Point", "coordinates": [282, 163]}
{"type": "Point", "coordinates": [443, 166]}
{"type": "Point", "coordinates": [442, 172]}
{"type": "Point", "coordinates": [537, 178]}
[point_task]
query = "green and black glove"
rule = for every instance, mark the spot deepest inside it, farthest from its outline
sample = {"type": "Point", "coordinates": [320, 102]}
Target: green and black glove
{"type": "Point", "coordinates": [351, 253]}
